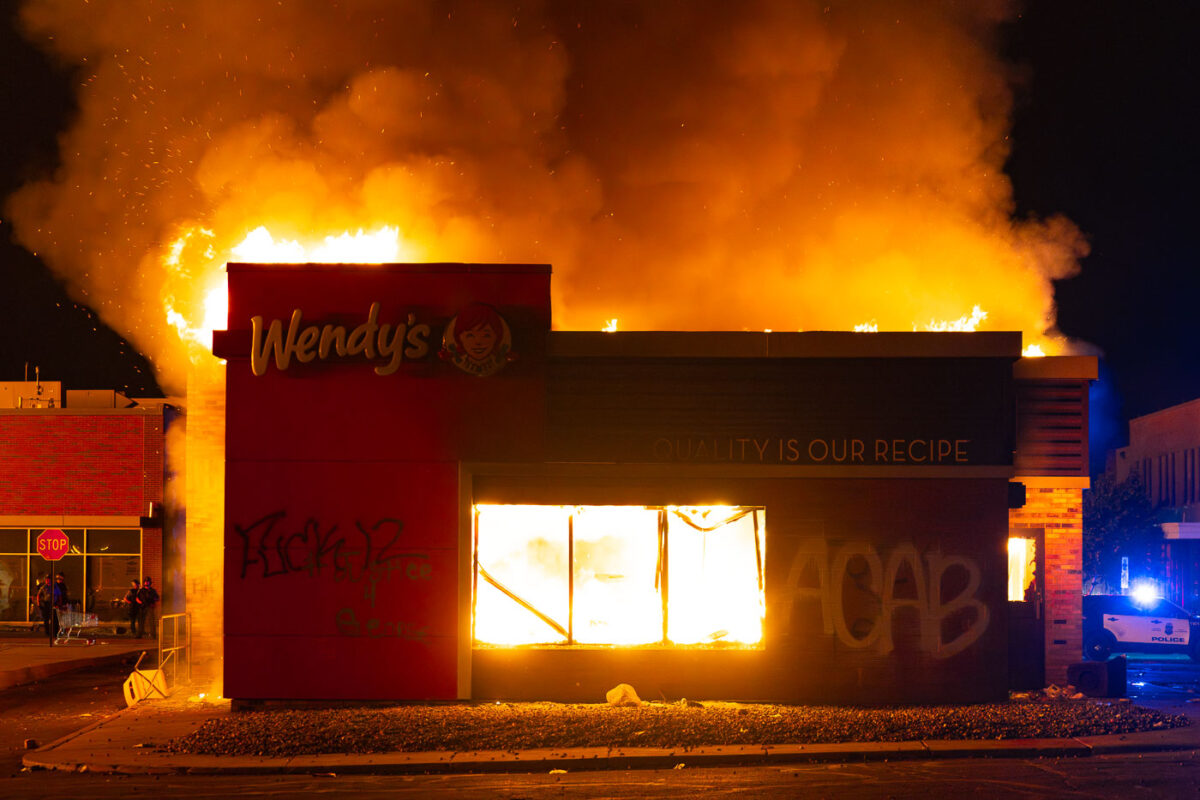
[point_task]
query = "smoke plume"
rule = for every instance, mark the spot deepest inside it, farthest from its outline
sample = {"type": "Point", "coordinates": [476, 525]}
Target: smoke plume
{"type": "Point", "coordinates": [683, 165]}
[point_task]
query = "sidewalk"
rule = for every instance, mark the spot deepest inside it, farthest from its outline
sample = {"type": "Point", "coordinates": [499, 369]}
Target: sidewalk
{"type": "Point", "coordinates": [126, 742]}
{"type": "Point", "coordinates": [24, 659]}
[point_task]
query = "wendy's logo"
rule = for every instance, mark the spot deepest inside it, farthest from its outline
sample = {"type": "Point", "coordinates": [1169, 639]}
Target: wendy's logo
{"type": "Point", "coordinates": [478, 341]}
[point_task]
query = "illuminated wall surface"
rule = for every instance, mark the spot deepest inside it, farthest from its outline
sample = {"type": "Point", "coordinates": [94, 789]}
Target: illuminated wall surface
{"type": "Point", "coordinates": [204, 491]}
{"type": "Point", "coordinates": [525, 514]}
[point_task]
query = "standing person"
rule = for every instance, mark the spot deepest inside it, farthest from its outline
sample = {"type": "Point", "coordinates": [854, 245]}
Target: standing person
{"type": "Point", "coordinates": [133, 606]}
{"type": "Point", "coordinates": [47, 601]}
{"type": "Point", "coordinates": [63, 602]}
{"type": "Point", "coordinates": [149, 600]}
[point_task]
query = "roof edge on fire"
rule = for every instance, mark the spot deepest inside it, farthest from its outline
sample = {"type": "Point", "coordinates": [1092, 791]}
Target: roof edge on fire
{"type": "Point", "coordinates": [753, 344]}
{"type": "Point", "coordinates": [1081, 368]}
{"type": "Point", "coordinates": [445, 266]}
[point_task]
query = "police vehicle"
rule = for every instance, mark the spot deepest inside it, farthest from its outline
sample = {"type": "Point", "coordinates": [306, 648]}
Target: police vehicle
{"type": "Point", "coordinates": [1121, 624]}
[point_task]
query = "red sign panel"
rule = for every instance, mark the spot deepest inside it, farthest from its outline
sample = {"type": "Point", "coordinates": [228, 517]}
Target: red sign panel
{"type": "Point", "coordinates": [52, 544]}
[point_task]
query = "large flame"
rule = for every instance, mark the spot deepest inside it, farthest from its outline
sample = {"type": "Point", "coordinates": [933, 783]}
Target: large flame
{"type": "Point", "coordinates": [377, 247]}
{"type": "Point", "coordinates": [795, 166]}
{"type": "Point", "coordinates": [206, 308]}
{"type": "Point", "coordinates": [710, 165]}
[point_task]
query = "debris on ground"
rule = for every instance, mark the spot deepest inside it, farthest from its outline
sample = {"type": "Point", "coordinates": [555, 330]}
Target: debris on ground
{"type": "Point", "coordinates": [623, 696]}
{"type": "Point", "coordinates": [518, 726]}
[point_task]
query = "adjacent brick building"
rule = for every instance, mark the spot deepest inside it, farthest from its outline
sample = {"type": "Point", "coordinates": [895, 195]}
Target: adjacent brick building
{"type": "Point", "coordinates": [90, 463]}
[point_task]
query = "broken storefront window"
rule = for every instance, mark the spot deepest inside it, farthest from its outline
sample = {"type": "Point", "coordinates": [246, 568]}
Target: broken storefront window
{"type": "Point", "coordinates": [618, 575]}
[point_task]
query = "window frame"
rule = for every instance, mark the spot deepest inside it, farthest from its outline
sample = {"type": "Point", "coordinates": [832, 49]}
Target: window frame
{"type": "Point", "coordinates": [757, 512]}
{"type": "Point", "coordinates": [82, 553]}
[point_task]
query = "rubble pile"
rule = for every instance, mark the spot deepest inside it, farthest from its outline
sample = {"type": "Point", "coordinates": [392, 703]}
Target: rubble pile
{"type": "Point", "coordinates": [684, 724]}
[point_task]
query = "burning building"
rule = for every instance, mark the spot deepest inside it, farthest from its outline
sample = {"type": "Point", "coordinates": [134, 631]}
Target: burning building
{"type": "Point", "coordinates": [396, 523]}
{"type": "Point", "coordinates": [429, 494]}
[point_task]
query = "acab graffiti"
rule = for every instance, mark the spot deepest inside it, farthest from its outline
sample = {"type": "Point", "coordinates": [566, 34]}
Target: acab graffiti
{"type": "Point", "coordinates": [861, 563]}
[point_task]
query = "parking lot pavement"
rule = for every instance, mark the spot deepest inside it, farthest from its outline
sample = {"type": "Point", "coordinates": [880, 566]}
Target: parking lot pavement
{"type": "Point", "coordinates": [24, 659]}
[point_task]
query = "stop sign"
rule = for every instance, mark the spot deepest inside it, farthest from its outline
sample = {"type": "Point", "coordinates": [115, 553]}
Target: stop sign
{"type": "Point", "coordinates": [52, 544]}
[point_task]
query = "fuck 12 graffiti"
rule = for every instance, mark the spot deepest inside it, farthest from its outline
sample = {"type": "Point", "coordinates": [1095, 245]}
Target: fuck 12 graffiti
{"type": "Point", "coordinates": [369, 554]}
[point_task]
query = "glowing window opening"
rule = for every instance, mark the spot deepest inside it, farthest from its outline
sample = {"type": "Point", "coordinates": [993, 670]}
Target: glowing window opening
{"type": "Point", "coordinates": [1022, 568]}
{"type": "Point", "coordinates": [618, 576]}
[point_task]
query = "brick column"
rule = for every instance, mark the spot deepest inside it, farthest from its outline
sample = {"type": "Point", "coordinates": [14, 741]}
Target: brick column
{"type": "Point", "coordinates": [1059, 511]}
{"type": "Point", "coordinates": [205, 497]}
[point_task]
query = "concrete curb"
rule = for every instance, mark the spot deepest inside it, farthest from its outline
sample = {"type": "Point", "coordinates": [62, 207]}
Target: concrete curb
{"type": "Point", "coordinates": [123, 761]}
{"type": "Point", "coordinates": [39, 672]}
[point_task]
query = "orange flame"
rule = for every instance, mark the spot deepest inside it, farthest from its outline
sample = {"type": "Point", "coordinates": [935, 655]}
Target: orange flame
{"type": "Point", "coordinates": [871, 184]}
{"type": "Point", "coordinates": [194, 317]}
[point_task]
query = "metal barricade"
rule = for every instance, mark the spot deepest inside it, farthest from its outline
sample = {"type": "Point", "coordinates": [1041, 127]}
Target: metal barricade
{"type": "Point", "coordinates": [175, 648]}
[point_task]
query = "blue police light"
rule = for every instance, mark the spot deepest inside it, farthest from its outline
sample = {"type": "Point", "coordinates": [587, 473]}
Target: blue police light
{"type": "Point", "coordinates": [1144, 594]}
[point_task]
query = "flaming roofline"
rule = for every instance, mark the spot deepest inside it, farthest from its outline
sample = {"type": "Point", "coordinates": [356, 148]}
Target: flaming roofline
{"type": "Point", "coordinates": [408, 267]}
{"type": "Point", "coordinates": [753, 344]}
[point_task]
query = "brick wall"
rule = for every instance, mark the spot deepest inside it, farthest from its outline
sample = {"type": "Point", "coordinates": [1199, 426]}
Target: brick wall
{"type": "Point", "coordinates": [1059, 511]}
{"type": "Point", "coordinates": [78, 464]}
{"type": "Point", "coordinates": [152, 558]}
{"type": "Point", "coordinates": [153, 459]}
{"type": "Point", "coordinates": [153, 487]}
{"type": "Point", "coordinates": [85, 464]}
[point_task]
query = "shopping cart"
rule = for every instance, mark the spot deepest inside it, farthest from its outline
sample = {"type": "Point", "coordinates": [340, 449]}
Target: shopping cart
{"type": "Point", "coordinates": [71, 626]}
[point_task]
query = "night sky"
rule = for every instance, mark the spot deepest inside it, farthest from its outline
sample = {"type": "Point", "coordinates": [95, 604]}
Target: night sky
{"type": "Point", "coordinates": [1105, 132]}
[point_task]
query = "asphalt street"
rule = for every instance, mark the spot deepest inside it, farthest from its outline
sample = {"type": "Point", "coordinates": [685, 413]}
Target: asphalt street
{"type": "Point", "coordinates": [57, 706]}
{"type": "Point", "coordinates": [49, 709]}
{"type": "Point", "coordinates": [1162, 679]}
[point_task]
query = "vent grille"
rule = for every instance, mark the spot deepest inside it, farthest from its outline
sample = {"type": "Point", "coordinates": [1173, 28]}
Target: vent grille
{"type": "Point", "coordinates": [1052, 428]}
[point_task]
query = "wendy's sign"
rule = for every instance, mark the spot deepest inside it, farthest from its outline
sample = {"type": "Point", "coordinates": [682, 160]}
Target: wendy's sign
{"type": "Point", "coordinates": [478, 341]}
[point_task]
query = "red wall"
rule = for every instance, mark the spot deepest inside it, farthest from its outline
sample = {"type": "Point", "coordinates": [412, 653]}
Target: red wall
{"type": "Point", "coordinates": [80, 464]}
{"type": "Point", "coordinates": [341, 541]}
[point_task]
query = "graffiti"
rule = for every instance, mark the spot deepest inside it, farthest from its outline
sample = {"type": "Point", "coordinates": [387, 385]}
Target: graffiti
{"type": "Point", "coordinates": [312, 548]}
{"type": "Point", "coordinates": [200, 585]}
{"type": "Point", "coordinates": [375, 628]}
{"type": "Point", "coordinates": [861, 564]}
